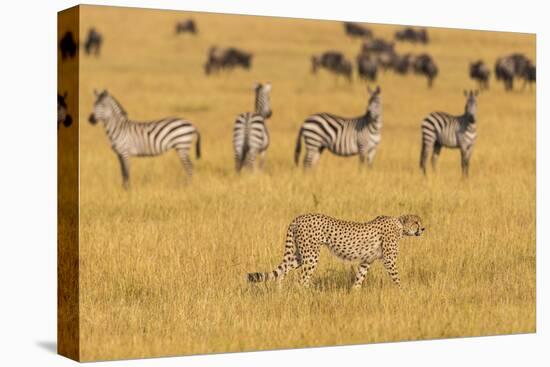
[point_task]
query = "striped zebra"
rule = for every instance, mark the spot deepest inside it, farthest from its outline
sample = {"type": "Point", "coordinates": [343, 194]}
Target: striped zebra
{"type": "Point", "coordinates": [440, 129]}
{"type": "Point", "coordinates": [143, 139]}
{"type": "Point", "coordinates": [250, 134]}
{"type": "Point", "coordinates": [342, 136]}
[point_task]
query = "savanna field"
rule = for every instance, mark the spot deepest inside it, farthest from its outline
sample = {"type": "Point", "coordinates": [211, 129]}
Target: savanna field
{"type": "Point", "coordinates": [163, 266]}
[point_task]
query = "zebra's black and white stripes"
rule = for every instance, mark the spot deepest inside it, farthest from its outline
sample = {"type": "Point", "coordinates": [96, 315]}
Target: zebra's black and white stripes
{"type": "Point", "coordinates": [250, 134]}
{"type": "Point", "coordinates": [143, 139]}
{"type": "Point", "coordinates": [440, 129]}
{"type": "Point", "coordinates": [342, 136]}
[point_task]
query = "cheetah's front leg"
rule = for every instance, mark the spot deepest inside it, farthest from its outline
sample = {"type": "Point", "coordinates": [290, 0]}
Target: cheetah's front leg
{"type": "Point", "coordinates": [390, 263]}
{"type": "Point", "coordinates": [361, 274]}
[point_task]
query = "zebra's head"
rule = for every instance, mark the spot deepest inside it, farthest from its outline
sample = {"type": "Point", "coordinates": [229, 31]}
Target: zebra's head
{"type": "Point", "coordinates": [412, 225]}
{"type": "Point", "coordinates": [470, 109]}
{"type": "Point", "coordinates": [63, 116]}
{"type": "Point", "coordinates": [106, 108]}
{"type": "Point", "coordinates": [263, 102]}
{"type": "Point", "coordinates": [374, 108]}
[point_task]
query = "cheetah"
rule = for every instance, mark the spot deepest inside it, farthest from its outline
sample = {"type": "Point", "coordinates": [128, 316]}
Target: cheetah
{"type": "Point", "coordinates": [352, 241]}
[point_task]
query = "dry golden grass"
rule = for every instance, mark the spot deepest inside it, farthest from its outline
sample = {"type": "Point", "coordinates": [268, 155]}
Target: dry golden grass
{"type": "Point", "coordinates": [163, 266]}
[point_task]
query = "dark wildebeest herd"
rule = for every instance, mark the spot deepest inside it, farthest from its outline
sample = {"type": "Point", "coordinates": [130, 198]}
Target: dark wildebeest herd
{"type": "Point", "coordinates": [69, 46]}
{"type": "Point", "coordinates": [377, 54]}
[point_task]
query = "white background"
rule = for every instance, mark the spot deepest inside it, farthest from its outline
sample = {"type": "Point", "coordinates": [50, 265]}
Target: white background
{"type": "Point", "coordinates": [28, 182]}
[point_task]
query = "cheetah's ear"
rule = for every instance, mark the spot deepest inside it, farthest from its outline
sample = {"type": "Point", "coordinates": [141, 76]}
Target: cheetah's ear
{"type": "Point", "coordinates": [402, 219]}
{"type": "Point", "coordinates": [407, 218]}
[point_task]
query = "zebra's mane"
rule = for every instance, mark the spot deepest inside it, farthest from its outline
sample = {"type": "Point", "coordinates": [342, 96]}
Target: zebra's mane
{"type": "Point", "coordinates": [114, 103]}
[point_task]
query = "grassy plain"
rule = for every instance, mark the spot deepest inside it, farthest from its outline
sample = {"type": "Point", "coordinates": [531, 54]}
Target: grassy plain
{"type": "Point", "coordinates": [163, 266]}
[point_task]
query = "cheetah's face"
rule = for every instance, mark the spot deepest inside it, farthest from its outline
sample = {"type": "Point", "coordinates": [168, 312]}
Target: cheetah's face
{"type": "Point", "coordinates": [412, 225]}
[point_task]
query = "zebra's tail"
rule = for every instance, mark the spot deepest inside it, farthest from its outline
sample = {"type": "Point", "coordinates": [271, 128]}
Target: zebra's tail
{"type": "Point", "coordinates": [298, 147]}
{"type": "Point", "coordinates": [246, 147]}
{"type": "Point", "coordinates": [244, 153]}
{"type": "Point", "coordinates": [198, 145]}
{"type": "Point", "coordinates": [291, 260]}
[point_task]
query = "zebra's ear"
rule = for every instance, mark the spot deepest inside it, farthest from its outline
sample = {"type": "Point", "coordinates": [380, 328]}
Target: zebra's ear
{"type": "Point", "coordinates": [465, 93]}
{"type": "Point", "coordinates": [476, 92]}
{"type": "Point", "coordinates": [257, 85]}
{"type": "Point", "coordinates": [267, 87]}
{"type": "Point", "coordinates": [65, 95]}
{"type": "Point", "coordinates": [369, 90]}
{"type": "Point", "coordinates": [378, 89]}
{"type": "Point", "coordinates": [96, 93]}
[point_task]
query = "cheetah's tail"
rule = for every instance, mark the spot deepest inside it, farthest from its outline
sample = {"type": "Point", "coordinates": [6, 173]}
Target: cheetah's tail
{"type": "Point", "coordinates": [260, 277]}
{"type": "Point", "coordinates": [291, 260]}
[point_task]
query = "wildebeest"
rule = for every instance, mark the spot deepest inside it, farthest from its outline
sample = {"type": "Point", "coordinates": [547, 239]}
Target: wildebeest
{"type": "Point", "coordinates": [186, 26]}
{"type": "Point", "coordinates": [425, 65]}
{"type": "Point", "coordinates": [68, 46]}
{"type": "Point", "coordinates": [63, 116]}
{"type": "Point", "coordinates": [357, 30]}
{"type": "Point", "coordinates": [93, 42]}
{"type": "Point", "coordinates": [366, 67]}
{"type": "Point", "coordinates": [509, 67]}
{"type": "Point", "coordinates": [412, 35]}
{"type": "Point", "coordinates": [479, 71]}
{"type": "Point", "coordinates": [504, 70]}
{"type": "Point", "coordinates": [334, 61]}
{"type": "Point", "coordinates": [377, 45]}
{"type": "Point", "coordinates": [402, 63]}
{"type": "Point", "coordinates": [226, 58]}
{"type": "Point", "coordinates": [530, 73]}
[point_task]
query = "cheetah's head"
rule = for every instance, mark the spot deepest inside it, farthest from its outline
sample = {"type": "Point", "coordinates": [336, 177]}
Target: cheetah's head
{"type": "Point", "coordinates": [412, 225]}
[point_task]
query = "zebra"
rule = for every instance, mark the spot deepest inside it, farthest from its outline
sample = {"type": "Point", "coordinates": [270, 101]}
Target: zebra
{"type": "Point", "coordinates": [63, 116]}
{"type": "Point", "coordinates": [440, 129]}
{"type": "Point", "coordinates": [342, 136]}
{"type": "Point", "coordinates": [250, 134]}
{"type": "Point", "coordinates": [146, 139]}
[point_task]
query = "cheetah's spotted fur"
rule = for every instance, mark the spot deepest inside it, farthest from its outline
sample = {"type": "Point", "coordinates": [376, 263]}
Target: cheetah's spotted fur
{"type": "Point", "coordinates": [354, 241]}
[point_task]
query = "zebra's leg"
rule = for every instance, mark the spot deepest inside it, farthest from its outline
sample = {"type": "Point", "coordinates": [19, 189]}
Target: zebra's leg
{"type": "Point", "coordinates": [424, 154]}
{"type": "Point", "coordinates": [250, 158]}
{"type": "Point", "coordinates": [435, 155]}
{"type": "Point", "coordinates": [238, 161]}
{"type": "Point", "coordinates": [465, 155]}
{"type": "Point", "coordinates": [310, 258]}
{"type": "Point", "coordinates": [361, 274]}
{"type": "Point", "coordinates": [125, 169]}
{"type": "Point", "coordinates": [261, 161]}
{"type": "Point", "coordinates": [362, 156]}
{"type": "Point", "coordinates": [186, 161]}
{"type": "Point", "coordinates": [311, 157]}
{"type": "Point", "coordinates": [371, 152]}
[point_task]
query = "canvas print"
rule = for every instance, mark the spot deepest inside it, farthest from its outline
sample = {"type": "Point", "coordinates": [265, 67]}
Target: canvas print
{"type": "Point", "coordinates": [235, 183]}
